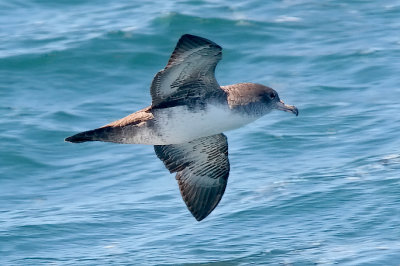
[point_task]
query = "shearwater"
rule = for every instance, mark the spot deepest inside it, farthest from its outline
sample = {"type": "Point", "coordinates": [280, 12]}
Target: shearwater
{"type": "Point", "coordinates": [185, 121]}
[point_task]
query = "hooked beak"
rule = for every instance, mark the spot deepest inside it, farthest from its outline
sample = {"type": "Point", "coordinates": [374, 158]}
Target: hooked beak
{"type": "Point", "coordinates": [287, 108]}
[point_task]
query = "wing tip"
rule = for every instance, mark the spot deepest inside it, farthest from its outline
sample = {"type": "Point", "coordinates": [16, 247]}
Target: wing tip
{"type": "Point", "coordinates": [201, 207]}
{"type": "Point", "coordinates": [197, 39]}
{"type": "Point", "coordinates": [201, 214]}
{"type": "Point", "coordinates": [199, 218]}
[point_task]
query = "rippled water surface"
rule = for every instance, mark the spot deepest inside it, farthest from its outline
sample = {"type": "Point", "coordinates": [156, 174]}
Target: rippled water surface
{"type": "Point", "coordinates": [320, 188]}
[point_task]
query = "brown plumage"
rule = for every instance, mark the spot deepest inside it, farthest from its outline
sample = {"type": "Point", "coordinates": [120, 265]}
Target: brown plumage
{"type": "Point", "coordinates": [244, 93]}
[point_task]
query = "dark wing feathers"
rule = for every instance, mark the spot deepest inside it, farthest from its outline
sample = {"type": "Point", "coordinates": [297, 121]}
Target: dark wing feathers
{"type": "Point", "coordinates": [189, 71]}
{"type": "Point", "coordinates": [202, 170]}
{"type": "Point", "coordinates": [189, 43]}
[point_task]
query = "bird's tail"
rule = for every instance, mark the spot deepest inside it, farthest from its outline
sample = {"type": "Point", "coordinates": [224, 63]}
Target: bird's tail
{"type": "Point", "coordinates": [100, 134]}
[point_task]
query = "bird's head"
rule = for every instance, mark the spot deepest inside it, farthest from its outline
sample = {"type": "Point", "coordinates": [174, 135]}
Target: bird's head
{"type": "Point", "coordinates": [271, 98]}
{"type": "Point", "coordinates": [255, 98]}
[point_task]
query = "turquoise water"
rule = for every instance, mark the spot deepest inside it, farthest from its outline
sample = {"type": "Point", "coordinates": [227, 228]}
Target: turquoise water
{"type": "Point", "coordinates": [321, 188]}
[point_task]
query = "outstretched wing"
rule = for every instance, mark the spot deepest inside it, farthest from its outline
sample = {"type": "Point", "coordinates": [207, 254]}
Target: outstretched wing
{"type": "Point", "coordinates": [189, 72]}
{"type": "Point", "coordinates": [202, 170]}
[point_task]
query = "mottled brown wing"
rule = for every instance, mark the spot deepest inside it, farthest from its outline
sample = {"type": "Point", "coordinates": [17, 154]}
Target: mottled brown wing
{"type": "Point", "coordinates": [202, 170]}
{"type": "Point", "coordinates": [189, 72]}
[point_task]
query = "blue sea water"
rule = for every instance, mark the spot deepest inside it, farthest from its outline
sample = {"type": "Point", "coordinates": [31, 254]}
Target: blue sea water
{"type": "Point", "coordinates": [322, 188]}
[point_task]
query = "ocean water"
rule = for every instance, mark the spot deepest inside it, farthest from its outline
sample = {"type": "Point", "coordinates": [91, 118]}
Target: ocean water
{"type": "Point", "coordinates": [322, 188]}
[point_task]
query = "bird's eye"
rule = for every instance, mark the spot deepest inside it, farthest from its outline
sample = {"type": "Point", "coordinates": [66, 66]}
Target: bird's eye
{"type": "Point", "coordinates": [272, 95]}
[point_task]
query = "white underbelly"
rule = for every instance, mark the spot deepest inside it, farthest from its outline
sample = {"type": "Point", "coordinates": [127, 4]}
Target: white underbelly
{"type": "Point", "coordinates": [181, 124]}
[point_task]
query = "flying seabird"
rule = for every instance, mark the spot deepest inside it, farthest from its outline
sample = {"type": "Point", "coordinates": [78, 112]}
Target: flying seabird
{"type": "Point", "coordinates": [185, 121]}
